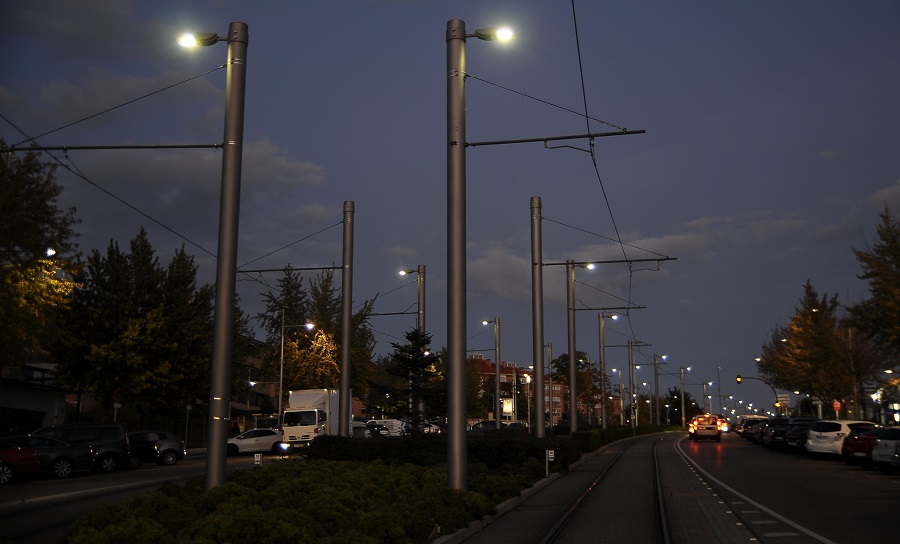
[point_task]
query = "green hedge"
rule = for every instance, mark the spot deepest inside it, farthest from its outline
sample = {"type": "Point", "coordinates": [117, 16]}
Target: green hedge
{"type": "Point", "coordinates": [391, 490]}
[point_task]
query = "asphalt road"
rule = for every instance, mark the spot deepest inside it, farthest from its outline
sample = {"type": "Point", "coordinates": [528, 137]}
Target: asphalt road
{"type": "Point", "coordinates": [39, 510]}
{"type": "Point", "coordinates": [729, 491]}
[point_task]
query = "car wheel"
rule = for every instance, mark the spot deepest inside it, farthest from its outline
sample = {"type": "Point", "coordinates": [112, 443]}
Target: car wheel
{"type": "Point", "coordinates": [62, 467]}
{"type": "Point", "coordinates": [107, 463]}
{"type": "Point", "coordinates": [232, 450]}
{"type": "Point", "coordinates": [168, 458]}
{"type": "Point", "coordinates": [134, 462]}
{"type": "Point", "coordinates": [6, 474]}
{"type": "Point", "coordinates": [276, 448]}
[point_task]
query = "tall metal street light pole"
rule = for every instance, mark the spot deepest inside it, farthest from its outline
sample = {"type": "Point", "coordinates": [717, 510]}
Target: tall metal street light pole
{"type": "Point", "coordinates": [681, 370]}
{"type": "Point", "coordinates": [719, 385]}
{"type": "Point", "coordinates": [573, 358]}
{"type": "Point", "coordinates": [655, 407]}
{"type": "Point", "coordinates": [497, 404]}
{"type": "Point", "coordinates": [601, 317]}
{"type": "Point", "coordinates": [456, 244]}
{"type": "Point", "coordinates": [344, 410]}
{"type": "Point", "coordinates": [621, 397]}
{"type": "Point", "coordinates": [420, 287]}
{"type": "Point", "coordinates": [537, 316]}
{"type": "Point", "coordinates": [226, 266]}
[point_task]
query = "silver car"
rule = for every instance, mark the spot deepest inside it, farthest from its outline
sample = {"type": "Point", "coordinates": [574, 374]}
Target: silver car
{"type": "Point", "coordinates": [256, 440]}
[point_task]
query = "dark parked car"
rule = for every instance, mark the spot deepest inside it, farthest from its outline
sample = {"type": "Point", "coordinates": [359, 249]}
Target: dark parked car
{"type": "Point", "coordinates": [857, 447]}
{"type": "Point", "coordinates": [753, 431]}
{"type": "Point", "coordinates": [796, 435]}
{"type": "Point", "coordinates": [108, 442]}
{"type": "Point", "coordinates": [746, 424]}
{"type": "Point", "coordinates": [776, 435]}
{"type": "Point", "coordinates": [55, 456]}
{"type": "Point", "coordinates": [155, 447]}
{"type": "Point", "coordinates": [772, 431]}
{"type": "Point", "coordinates": [17, 462]}
{"type": "Point", "coordinates": [488, 425]}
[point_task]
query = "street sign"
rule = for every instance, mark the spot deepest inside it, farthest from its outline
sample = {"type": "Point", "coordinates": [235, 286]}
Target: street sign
{"type": "Point", "coordinates": [836, 405]}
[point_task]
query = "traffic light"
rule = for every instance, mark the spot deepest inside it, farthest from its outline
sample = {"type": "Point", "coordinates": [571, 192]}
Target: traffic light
{"type": "Point", "coordinates": [739, 379]}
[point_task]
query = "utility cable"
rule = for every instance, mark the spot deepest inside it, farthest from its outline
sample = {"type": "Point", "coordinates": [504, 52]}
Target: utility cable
{"type": "Point", "coordinates": [132, 101]}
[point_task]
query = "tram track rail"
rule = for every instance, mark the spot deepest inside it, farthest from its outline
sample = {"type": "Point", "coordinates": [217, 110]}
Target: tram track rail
{"type": "Point", "coordinates": [583, 506]}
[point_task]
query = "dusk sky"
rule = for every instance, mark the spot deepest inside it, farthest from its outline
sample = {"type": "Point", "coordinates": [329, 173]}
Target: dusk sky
{"type": "Point", "coordinates": [771, 146]}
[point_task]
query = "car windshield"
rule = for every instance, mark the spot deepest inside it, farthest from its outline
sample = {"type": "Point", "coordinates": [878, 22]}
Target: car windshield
{"type": "Point", "coordinates": [306, 417]}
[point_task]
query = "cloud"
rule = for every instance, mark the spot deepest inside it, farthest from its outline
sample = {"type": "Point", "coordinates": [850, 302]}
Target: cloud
{"type": "Point", "coordinates": [889, 196]}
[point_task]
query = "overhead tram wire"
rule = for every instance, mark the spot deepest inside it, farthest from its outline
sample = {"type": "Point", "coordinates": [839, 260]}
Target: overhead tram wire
{"type": "Point", "coordinates": [74, 170]}
{"type": "Point", "coordinates": [34, 138]}
{"type": "Point", "coordinates": [77, 172]}
{"type": "Point", "coordinates": [602, 236]}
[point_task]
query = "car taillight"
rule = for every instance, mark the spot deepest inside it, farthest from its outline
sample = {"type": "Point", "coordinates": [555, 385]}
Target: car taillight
{"type": "Point", "coordinates": [316, 431]}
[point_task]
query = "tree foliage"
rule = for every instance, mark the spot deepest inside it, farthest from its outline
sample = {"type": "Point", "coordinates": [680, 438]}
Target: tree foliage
{"type": "Point", "coordinates": [419, 376]}
{"type": "Point", "coordinates": [879, 315]}
{"type": "Point", "coordinates": [311, 357]}
{"type": "Point", "coordinates": [34, 285]}
{"type": "Point", "coordinates": [588, 384]}
{"type": "Point", "coordinates": [140, 328]}
{"type": "Point", "coordinates": [817, 353]}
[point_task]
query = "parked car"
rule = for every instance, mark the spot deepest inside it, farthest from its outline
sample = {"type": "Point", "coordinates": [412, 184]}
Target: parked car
{"type": "Point", "coordinates": [745, 422]}
{"type": "Point", "coordinates": [155, 447]}
{"type": "Point", "coordinates": [771, 433]}
{"type": "Point", "coordinates": [797, 434]}
{"type": "Point", "coordinates": [883, 451]}
{"type": "Point", "coordinates": [108, 442]}
{"type": "Point", "coordinates": [754, 432]}
{"type": "Point", "coordinates": [777, 438]}
{"type": "Point", "coordinates": [17, 462]}
{"type": "Point", "coordinates": [705, 426]}
{"type": "Point", "coordinates": [857, 447]}
{"type": "Point", "coordinates": [521, 426]}
{"type": "Point", "coordinates": [827, 436]}
{"type": "Point", "coordinates": [255, 441]}
{"type": "Point", "coordinates": [56, 457]}
{"type": "Point", "coordinates": [488, 425]}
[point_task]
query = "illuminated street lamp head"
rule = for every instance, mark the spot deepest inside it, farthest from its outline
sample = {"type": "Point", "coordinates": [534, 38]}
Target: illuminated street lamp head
{"type": "Point", "coordinates": [405, 272]}
{"type": "Point", "coordinates": [193, 40]}
{"type": "Point", "coordinates": [500, 34]}
{"type": "Point", "coordinates": [310, 326]}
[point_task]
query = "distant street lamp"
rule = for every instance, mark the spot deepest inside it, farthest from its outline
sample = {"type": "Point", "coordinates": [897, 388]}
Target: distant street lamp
{"type": "Point", "coordinates": [497, 408]}
{"type": "Point", "coordinates": [601, 317]}
{"type": "Point", "coordinates": [309, 327]}
{"type": "Point", "coordinates": [420, 285]}
{"type": "Point", "coordinates": [226, 264]}
{"type": "Point", "coordinates": [655, 406]}
{"type": "Point", "coordinates": [456, 243]}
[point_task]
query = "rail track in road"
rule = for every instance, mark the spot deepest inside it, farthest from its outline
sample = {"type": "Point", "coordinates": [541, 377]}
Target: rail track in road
{"type": "Point", "coordinates": [650, 490]}
{"type": "Point", "coordinates": [642, 464]}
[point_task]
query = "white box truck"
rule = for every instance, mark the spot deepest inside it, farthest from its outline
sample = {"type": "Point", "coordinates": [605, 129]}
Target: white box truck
{"type": "Point", "coordinates": [311, 413]}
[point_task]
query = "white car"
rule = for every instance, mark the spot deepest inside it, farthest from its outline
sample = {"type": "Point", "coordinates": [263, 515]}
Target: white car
{"type": "Point", "coordinates": [827, 436]}
{"type": "Point", "coordinates": [256, 440]}
{"type": "Point", "coordinates": [885, 446]}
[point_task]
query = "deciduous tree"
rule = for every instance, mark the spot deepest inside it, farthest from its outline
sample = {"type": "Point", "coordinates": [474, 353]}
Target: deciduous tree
{"type": "Point", "coordinates": [35, 283]}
